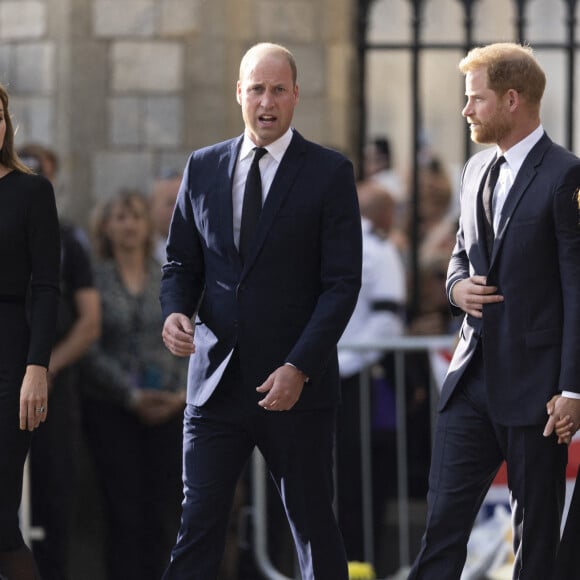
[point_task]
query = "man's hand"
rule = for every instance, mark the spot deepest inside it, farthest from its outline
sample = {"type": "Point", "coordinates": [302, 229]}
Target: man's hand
{"type": "Point", "coordinates": [472, 293]}
{"type": "Point", "coordinates": [284, 387]}
{"type": "Point", "coordinates": [178, 334]}
{"type": "Point", "coordinates": [564, 418]}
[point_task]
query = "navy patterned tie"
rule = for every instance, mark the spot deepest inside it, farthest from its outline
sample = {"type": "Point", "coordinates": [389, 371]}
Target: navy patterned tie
{"type": "Point", "coordinates": [252, 204]}
{"type": "Point", "coordinates": [487, 200]}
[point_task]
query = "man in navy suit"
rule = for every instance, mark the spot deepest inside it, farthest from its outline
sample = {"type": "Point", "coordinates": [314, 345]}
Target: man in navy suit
{"type": "Point", "coordinates": [269, 312]}
{"type": "Point", "coordinates": [515, 276]}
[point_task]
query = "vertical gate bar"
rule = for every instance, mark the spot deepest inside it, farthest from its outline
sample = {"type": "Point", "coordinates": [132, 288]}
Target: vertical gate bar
{"type": "Point", "coordinates": [521, 20]}
{"type": "Point", "coordinates": [402, 470]}
{"type": "Point", "coordinates": [417, 127]}
{"type": "Point", "coordinates": [467, 45]}
{"type": "Point", "coordinates": [366, 466]}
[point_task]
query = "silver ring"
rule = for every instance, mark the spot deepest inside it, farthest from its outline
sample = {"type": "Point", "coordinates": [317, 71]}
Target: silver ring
{"type": "Point", "coordinates": [39, 410]}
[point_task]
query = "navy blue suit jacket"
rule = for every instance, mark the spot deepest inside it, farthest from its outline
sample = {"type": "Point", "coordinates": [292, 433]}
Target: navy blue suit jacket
{"type": "Point", "coordinates": [292, 298]}
{"type": "Point", "coordinates": [531, 340]}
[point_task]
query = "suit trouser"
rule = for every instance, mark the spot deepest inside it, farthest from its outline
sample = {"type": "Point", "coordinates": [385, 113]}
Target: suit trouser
{"type": "Point", "coordinates": [468, 450]}
{"type": "Point", "coordinates": [219, 437]}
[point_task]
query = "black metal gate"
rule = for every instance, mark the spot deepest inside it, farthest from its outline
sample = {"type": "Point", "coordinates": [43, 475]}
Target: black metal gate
{"type": "Point", "coordinates": [415, 50]}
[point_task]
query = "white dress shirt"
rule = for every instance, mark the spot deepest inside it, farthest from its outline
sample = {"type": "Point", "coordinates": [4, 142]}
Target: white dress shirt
{"type": "Point", "coordinates": [268, 167]}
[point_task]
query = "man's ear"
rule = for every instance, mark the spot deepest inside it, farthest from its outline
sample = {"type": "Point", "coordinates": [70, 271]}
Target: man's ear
{"type": "Point", "coordinates": [513, 99]}
{"type": "Point", "coordinates": [239, 92]}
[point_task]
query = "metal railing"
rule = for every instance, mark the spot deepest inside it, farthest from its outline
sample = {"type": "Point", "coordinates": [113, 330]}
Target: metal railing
{"type": "Point", "coordinates": [398, 346]}
{"type": "Point", "coordinates": [30, 533]}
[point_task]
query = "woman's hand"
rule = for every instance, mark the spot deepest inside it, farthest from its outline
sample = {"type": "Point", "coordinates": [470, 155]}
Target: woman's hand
{"type": "Point", "coordinates": [33, 397]}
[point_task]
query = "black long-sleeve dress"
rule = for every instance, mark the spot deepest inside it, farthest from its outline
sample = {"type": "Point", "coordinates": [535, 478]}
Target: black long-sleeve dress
{"type": "Point", "coordinates": [29, 292]}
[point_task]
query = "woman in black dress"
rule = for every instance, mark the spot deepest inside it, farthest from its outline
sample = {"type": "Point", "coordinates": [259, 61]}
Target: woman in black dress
{"type": "Point", "coordinates": [29, 292]}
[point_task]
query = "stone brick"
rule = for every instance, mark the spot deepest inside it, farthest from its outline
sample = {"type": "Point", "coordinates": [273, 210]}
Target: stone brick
{"type": "Point", "coordinates": [172, 160]}
{"type": "Point", "coordinates": [208, 122]}
{"type": "Point", "coordinates": [243, 22]}
{"type": "Point", "coordinates": [312, 69]}
{"type": "Point", "coordinates": [163, 119]}
{"type": "Point", "coordinates": [125, 121]}
{"type": "Point", "coordinates": [337, 21]}
{"type": "Point", "coordinates": [179, 17]}
{"type": "Point", "coordinates": [207, 68]}
{"type": "Point", "coordinates": [155, 66]}
{"type": "Point", "coordinates": [294, 20]}
{"type": "Point", "coordinates": [6, 64]}
{"type": "Point", "coordinates": [310, 120]}
{"type": "Point", "coordinates": [34, 70]}
{"type": "Point", "coordinates": [33, 119]}
{"type": "Point", "coordinates": [341, 59]}
{"type": "Point", "coordinates": [22, 19]}
{"type": "Point", "coordinates": [114, 18]}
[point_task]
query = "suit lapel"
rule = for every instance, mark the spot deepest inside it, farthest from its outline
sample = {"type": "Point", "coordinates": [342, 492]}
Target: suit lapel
{"type": "Point", "coordinates": [523, 180]}
{"type": "Point", "coordinates": [225, 175]}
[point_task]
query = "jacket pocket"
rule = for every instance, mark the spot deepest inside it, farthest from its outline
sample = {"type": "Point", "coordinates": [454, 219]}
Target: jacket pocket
{"type": "Point", "coordinates": [544, 337]}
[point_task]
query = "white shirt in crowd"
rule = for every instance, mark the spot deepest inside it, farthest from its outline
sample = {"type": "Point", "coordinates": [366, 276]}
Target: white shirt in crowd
{"type": "Point", "coordinates": [383, 281]}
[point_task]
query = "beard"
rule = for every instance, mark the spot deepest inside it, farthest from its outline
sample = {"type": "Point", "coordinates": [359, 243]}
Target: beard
{"type": "Point", "coordinates": [494, 130]}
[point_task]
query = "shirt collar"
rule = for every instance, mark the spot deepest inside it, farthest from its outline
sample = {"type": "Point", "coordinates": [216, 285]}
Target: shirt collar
{"type": "Point", "coordinates": [516, 155]}
{"type": "Point", "coordinates": [276, 149]}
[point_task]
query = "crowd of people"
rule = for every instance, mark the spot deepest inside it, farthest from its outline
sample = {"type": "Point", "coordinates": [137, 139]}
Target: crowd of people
{"type": "Point", "coordinates": [269, 260]}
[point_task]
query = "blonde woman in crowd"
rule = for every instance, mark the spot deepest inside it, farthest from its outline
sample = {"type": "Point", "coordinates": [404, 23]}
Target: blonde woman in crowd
{"type": "Point", "coordinates": [135, 399]}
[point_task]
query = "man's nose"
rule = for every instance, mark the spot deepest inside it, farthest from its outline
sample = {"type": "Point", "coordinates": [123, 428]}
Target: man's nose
{"type": "Point", "coordinates": [267, 98]}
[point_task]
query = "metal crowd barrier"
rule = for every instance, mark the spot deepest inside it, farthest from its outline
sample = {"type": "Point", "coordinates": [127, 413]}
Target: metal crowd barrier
{"type": "Point", "coordinates": [30, 533]}
{"type": "Point", "coordinates": [397, 346]}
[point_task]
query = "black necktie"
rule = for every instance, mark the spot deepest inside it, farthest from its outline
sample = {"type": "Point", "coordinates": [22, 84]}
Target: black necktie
{"type": "Point", "coordinates": [487, 200]}
{"type": "Point", "coordinates": [252, 204]}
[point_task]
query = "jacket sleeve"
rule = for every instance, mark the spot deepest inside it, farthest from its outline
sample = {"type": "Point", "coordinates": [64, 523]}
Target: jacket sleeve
{"type": "Point", "coordinates": [458, 268]}
{"type": "Point", "coordinates": [183, 275]}
{"type": "Point", "coordinates": [340, 274]}
{"type": "Point", "coordinates": [44, 246]}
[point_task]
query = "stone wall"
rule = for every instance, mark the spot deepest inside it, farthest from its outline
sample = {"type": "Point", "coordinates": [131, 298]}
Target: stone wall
{"type": "Point", "coordinates": [122, 89]}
